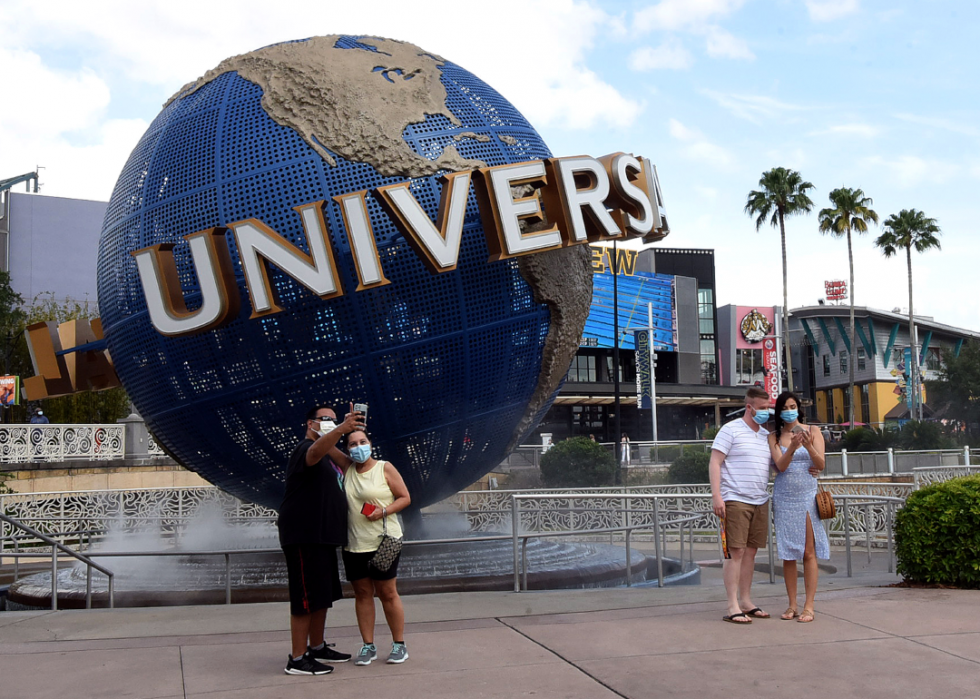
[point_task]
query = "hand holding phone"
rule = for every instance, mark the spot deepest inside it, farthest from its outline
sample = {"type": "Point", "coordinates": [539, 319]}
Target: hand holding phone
{"type": "Point", "coordinates": [362, 409]}
{"type": "Point", "coordinates": [368, 509]}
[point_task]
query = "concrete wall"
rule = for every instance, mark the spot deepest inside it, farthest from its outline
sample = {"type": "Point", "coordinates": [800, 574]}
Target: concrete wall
{"type": "Point", "coordinates": [54, 246]}
{"type": "Point", "coordinates": [688, 337]}
{"type": "Point", "coordinates": [103, 478]}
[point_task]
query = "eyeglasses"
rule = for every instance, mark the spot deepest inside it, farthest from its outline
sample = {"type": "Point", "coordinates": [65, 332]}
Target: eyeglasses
{"type": "Point", "coordinates": [321, 418]}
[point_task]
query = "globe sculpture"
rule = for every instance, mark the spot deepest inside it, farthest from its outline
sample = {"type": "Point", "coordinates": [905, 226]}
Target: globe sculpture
{"type": "Point", "coordinates": [456, 367]}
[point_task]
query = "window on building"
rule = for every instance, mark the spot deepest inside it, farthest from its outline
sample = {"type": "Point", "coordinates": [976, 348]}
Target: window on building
{"type": "Point", "coordinates": [627, 367]}
{"type": "Point", "coordinates": [846, 412]}
{"type": "Point", "coordinates": [588, 419]}
{"type": "Point", "coordinates": [861, 359]}
{"type": "Point", "coordinates": [709, 364]}
{"type": "Point", "coordinates": [934, 361]}
{"type": "Point", "coordinates": [826, 365]}
{"type": "Point", "coordinates": [748, 367]}
{"type": "Point", "coordinates": [898, 356]}
{"type": "Point", "coordinates": [583, 368]}
{"type": "Point", "coordinates": [706, 311]}
{"type": "Point", "coordinates": [865, 404]}
{"type": "Point", "coordinates": [843, 362]}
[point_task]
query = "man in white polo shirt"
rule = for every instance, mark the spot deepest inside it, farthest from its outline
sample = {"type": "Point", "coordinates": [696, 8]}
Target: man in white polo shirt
{"type": "Point", "coordinates": [739, 472]}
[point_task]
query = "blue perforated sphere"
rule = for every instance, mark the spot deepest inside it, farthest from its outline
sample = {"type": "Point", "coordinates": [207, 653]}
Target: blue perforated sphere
{"type": "Point", "coordinates": [448, 363]}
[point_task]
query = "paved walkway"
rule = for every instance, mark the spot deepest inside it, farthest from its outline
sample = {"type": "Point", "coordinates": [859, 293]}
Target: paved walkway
{"type": "Point", "coordinates": [867, 642]}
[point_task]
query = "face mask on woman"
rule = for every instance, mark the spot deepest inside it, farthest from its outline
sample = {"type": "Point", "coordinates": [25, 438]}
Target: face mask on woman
{"type": "Point", "coordinates": [360, 453]}
{"type": "Point", "coordinates": [789, 415]}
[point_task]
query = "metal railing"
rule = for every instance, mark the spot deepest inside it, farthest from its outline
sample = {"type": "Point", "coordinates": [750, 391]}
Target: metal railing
{"type": "Point", "coordinates": [627, 518]}
{"type": "Point", "coordinates": [30, 443]}
{"type": "Point", "coordinates": [893, 461]}
{"type": "Point", "coordinates": [55, 548]}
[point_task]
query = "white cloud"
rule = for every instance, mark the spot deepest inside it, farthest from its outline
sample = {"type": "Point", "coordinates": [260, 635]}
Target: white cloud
{"type": "Point", "coordinates": [721, 44]}
{"type": "Point", "coordinates": [909, 171]}
{"type": "Point", "coordinates": [698, 147]}
{"type": "Point", "coordinates": [829, 10]}
{"type": "Point", "coordinates": [170, 44]}
{"type": "Point", "coordinates": [674, 15]}
{"type": "Point", "coordinates": [754, 108]}
{"type": "Point", "coordinates": [941, 123]}
{"type": "Point", "coordinates": [862, 130]}
{"type": "Point", "coordinates": [670, 55]}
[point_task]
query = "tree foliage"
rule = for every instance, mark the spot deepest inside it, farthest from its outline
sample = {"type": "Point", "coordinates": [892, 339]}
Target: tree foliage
{"type": "Point", "coordinates": [690, 467]}
{"type": "Point", "coordinates": [957, 391]}
{"type": "Point", "coordinates": [578, 463]}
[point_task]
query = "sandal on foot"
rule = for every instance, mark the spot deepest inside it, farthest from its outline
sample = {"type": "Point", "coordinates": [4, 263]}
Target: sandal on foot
{"type": "Point", "coordinates": [789, 614]}
{"type": "Point", "coordinates": [737, 618]}
{"type": "Point", "coordinates": [757, 613]}
{"type": "Point", "coordinates": [806, 613]}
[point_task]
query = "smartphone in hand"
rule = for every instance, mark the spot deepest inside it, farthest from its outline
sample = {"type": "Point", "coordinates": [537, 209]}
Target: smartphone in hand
{"type": "Point", "coordinates": [361, 408]}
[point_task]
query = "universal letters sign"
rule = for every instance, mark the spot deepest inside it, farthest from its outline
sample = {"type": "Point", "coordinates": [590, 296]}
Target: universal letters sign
{"type": "Point", "coordinates": [526, 208]}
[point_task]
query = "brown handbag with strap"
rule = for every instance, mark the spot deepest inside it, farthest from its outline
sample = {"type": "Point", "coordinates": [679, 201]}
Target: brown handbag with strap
{"type": "Point", "coordinates": [826, 508]}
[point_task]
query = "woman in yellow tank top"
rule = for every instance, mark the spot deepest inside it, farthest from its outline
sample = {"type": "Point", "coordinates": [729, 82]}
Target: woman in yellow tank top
{"type": "Point", "coordinates": [375, 492]}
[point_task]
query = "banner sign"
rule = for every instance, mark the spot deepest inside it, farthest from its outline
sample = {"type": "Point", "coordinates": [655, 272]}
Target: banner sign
{"type": "Point", "coordinates": [644, 371]}
{"type": "Point", "coordinates": [770, 368]}
{"type": "Point", "coordinates": [9, 390]}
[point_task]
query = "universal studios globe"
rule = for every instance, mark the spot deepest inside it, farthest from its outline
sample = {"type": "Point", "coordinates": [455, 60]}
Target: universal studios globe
{"type": "Point", "coordinates": [457, 367]}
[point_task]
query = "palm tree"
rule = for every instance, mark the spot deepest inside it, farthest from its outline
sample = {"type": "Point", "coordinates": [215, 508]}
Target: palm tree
{"type": "Point", "coordinates": [852, 211]}
{"type": "Point", "coordinates": [782, 193]}
{"type": "Point", "coordinates": [910, 229]}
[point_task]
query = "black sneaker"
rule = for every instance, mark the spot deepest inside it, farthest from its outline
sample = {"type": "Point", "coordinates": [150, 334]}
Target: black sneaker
{"type": "Point", "coordinates": [327, 654]}
{"type": "Point", "coordinates": [305, 665]}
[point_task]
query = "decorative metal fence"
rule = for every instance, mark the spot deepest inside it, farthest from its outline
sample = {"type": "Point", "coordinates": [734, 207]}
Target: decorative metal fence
{"type": "Point", "coordinates": [938, 474]}
{"type": "Point", "coordinates": [26, 443]}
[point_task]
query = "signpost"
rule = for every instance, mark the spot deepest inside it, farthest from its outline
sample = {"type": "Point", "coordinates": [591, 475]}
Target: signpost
{"type": "Point", "coordinates": [646, 379]}
{"type": "Point", "coordinates": [835, 290]}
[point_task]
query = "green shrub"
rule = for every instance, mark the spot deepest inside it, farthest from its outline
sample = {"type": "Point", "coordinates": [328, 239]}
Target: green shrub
{"type": "Point", "coordinates": [690, 467]}
{"type": "Point", "coordinates": [710, 432]}
{"type": "Point", "coordinates": [923, 435]}
{"type": "Point", "coordinates": [665, 454]}
{"type": "Point", "coordinates": [578, 463]}
{"type": "Point", "coordinates": [4, 488]}
{"type": "Point", "coordinates": [937, 534]}
{"type": "Point", "coordinates": [862, 439]}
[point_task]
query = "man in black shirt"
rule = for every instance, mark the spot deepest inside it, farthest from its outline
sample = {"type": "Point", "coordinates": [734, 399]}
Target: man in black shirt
{"type": "Point", "coordinates": [312, 524]}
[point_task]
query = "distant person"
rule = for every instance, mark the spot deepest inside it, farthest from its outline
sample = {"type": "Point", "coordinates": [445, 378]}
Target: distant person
{"type": "Point", "coordinates": [376, 493]}
{"type": "Point", "coordinates": [312, 524]}
{"type": "Point", "coordinates": [39, 418]}
{"type": "Point", "coordinates": [798, 452]}
{"type": "Point", "coordinates": [624, 445]}
{"type": "Point", "coordinates": [825, 433]}
{"type": "Point", "coordinates": [592, 437]}
{"type": "Point", "coordinates": [739, 474]}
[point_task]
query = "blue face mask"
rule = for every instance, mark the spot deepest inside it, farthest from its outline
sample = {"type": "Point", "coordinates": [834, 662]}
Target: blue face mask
{"type": "Point", "coordinates": [360, 453]}
{"type": "Point", "coordinates": [789, 415]}
{"type": "Point", "coordinates": [761, 417]}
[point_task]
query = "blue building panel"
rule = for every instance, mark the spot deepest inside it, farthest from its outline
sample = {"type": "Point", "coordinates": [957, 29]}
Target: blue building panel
{"type": "Point", "coordinates": [636, 291]}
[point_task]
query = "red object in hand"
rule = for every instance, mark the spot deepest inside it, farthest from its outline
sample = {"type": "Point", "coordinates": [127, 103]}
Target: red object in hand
{"type": "Point", "coordinates": [368, 509]}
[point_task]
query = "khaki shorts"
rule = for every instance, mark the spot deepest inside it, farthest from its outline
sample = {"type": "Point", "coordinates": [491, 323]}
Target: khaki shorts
{"type": "Point", "coordinates": [746, 525]}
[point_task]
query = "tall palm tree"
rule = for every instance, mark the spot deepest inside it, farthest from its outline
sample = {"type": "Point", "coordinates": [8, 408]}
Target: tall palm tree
{"type": "Point", "coordinates": [910, 229]}
{"type": "Point", "coordinates": [781, 193]}
{"type": "Point", "coordinates": [851, 212]}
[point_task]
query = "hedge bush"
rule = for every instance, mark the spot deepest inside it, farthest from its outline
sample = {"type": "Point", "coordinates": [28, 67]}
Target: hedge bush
{"type": "Point", "coordinates": [690, 467]}
{"type": "Point", "coordinates": [578, 463]}
{"type": "Point", "coordinates": [937, 534]}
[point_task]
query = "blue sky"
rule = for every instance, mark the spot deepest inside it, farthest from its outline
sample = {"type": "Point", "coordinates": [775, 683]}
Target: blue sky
{"type": "Point", "coordinates": [877, 95]}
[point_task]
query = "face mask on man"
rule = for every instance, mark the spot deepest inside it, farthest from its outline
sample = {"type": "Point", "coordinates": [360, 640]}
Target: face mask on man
{"type": "Point", "coordinates": [761, 417]}
{"type": "Point", "coordinates": [789, 415]}
{"type": "Point", "coordinates": [360, 453]}
{"type": "Point", "coordinates": [325, 425]}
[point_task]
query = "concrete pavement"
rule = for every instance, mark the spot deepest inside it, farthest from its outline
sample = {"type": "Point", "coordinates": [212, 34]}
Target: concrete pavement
{"type": "Point", "coordinates": [867, 641]}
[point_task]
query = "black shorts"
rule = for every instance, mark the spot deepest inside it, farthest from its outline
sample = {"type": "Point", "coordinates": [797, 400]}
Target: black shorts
{"type": "Point", "coordinates": [314, 578]}
{"type": "Point", "coordinates": [357, 568]}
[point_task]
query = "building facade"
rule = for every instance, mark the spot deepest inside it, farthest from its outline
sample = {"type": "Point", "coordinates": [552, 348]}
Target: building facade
{"type": "Point", "coordinates": [679, 284]}
{"type": "Point", "coordinates": [823, 348]}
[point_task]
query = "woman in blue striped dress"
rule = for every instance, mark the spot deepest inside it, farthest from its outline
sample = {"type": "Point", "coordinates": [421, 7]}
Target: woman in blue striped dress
{"type": "Point", "coordinates": [798, 453]}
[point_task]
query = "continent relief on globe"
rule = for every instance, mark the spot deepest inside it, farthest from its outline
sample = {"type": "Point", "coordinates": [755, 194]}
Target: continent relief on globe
{"type": "Point", "coordinates": [331, 97]}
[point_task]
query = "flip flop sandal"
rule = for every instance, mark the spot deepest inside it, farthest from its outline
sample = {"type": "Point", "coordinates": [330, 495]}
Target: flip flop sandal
{"type": "Point", "coordinates": [757, 613]}
{"type": "Point", "coordinates": [808, 612]}
{"type": "Point", "coordinates": [731, 619]}
{"type": "Point", "coordinates": [792, 611]}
